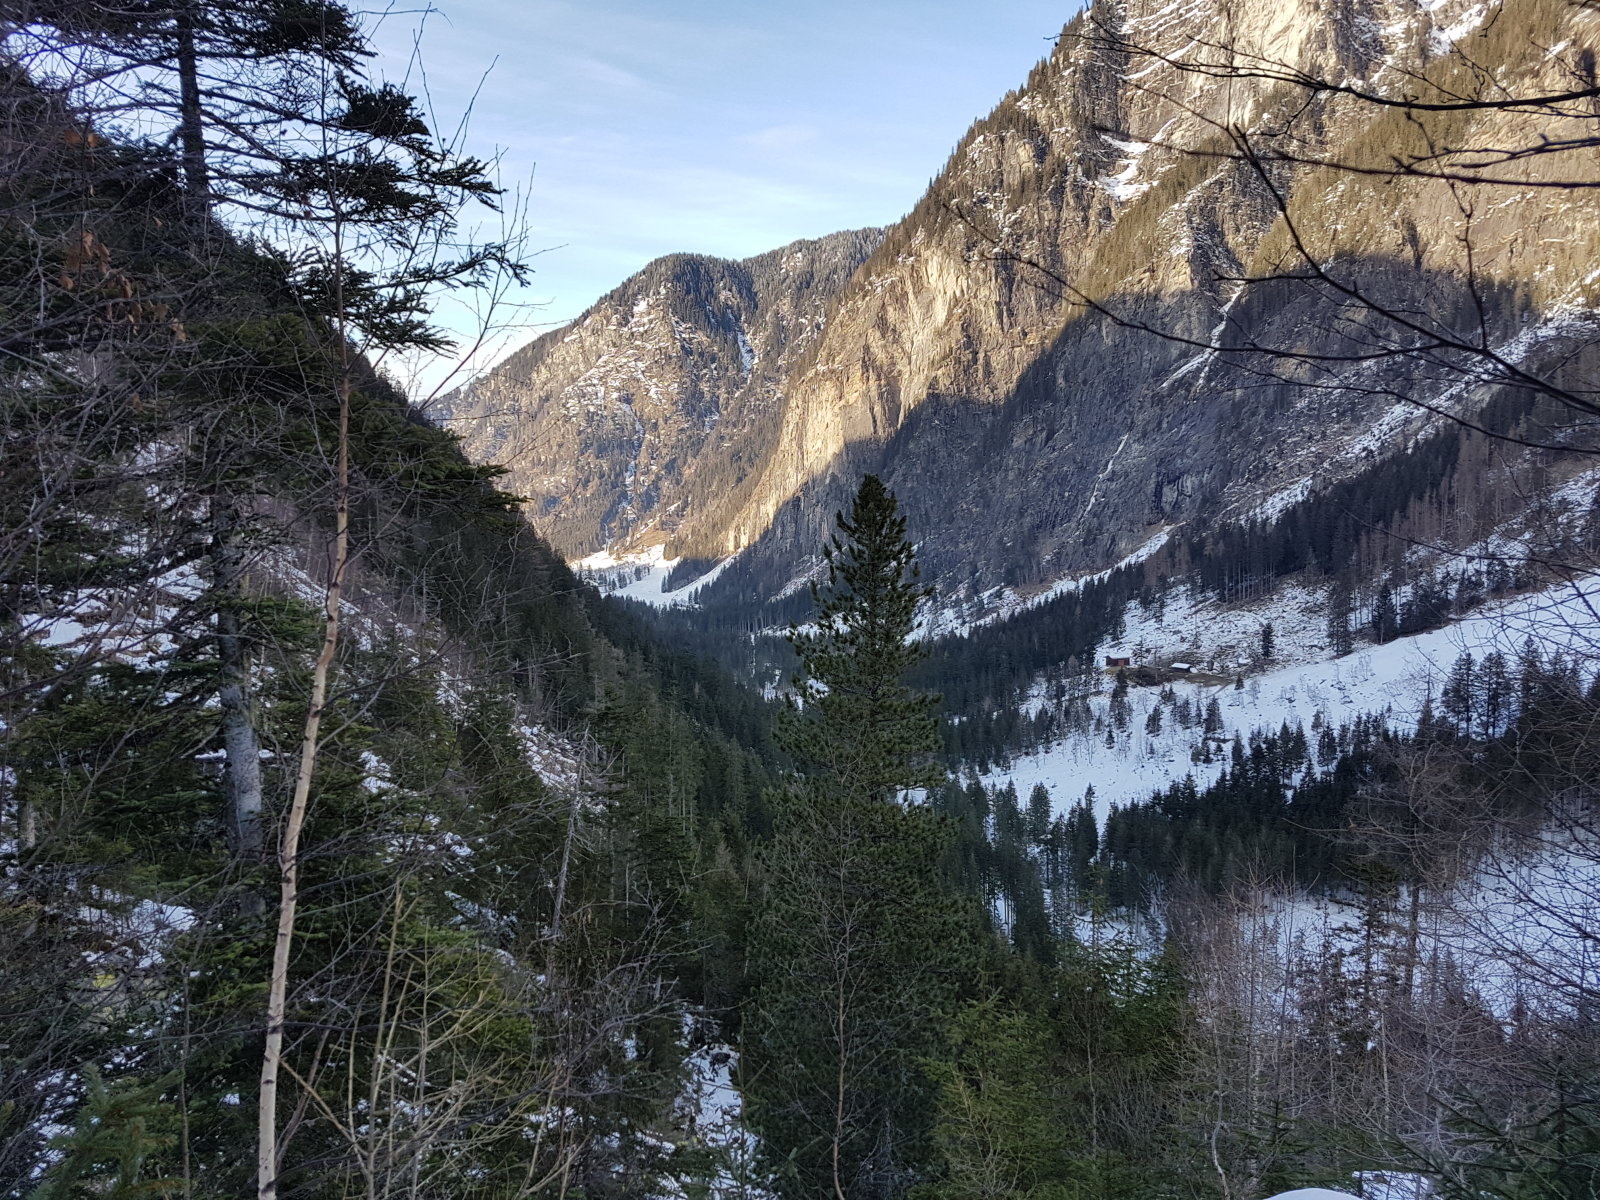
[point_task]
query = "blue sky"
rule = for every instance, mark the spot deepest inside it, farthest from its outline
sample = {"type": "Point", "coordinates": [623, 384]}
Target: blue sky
{"type": "Point", "coordinates": [728, 127]}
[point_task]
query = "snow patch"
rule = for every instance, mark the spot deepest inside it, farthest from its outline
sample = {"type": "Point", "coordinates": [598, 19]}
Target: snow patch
{"type": "Point", "coordinates": [1393, 679]}
{"type": "Point", "coordinates": [644, 577]}
{"type": "Point", "coordinates": [1442, 41]}
{"type": "Point", "coordinates": [1002, 603]}
{"type": "Point", "coordinates": [1121, 186]}
{"type": "Point", "coordinates": [709, 1113]}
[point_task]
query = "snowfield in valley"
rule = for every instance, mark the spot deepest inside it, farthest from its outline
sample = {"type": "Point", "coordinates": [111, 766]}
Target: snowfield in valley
{"type": "Point", "coordinates": [643, 577]}
{"type": "Point", "coordinates": [1394, 679]}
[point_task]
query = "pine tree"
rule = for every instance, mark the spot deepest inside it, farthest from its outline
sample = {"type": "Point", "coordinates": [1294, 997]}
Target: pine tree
{"type": "Point", "coordinates": [856, 938]}
{"type": "Point", "coordinates": [1121, 708]}
{"type": "Point", "coordinates": [1494, 694]}
{"type": "Point", "coordinates": [1083, 839]}
{"type": "Point", "coordinates": [856, 723]}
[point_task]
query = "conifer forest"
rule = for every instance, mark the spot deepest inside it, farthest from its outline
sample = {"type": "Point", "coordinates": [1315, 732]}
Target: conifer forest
{"type": "Point", "coordinates": [1090, 691]}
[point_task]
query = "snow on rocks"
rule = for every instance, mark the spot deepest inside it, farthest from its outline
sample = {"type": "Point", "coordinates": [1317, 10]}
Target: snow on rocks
{"type": "Point", "coordinates": [558, 760]}
{"type": "Point", "coordinates": [709, 1113]}
{"type": "Point", "coordinates": [1393, 1185]}
{"type": "Point", "coordinates": [1371, 1185]}
{"type": "Point", "coordinates": [1124, 185]}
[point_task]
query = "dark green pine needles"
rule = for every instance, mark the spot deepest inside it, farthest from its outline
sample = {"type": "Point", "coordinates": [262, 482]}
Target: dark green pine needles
{"type": "Point", "coordinates": [858, 942]}
{"type": "Point", "coordinates": [857, 724]}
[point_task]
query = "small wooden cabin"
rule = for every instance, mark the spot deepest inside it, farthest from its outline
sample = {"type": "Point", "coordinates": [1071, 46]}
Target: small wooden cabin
{"type": "Point", "coordinates": [1114, 661]}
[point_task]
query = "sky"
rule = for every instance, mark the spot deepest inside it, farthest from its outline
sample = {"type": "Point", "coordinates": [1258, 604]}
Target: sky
{"type": "Point", "coordinates": [636, 128]}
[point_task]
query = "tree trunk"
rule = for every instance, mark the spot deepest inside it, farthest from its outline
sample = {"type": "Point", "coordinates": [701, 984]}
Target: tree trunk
{"type": "Point", "coordinates": [240, 741]}
{"type": "Point", "coordinates": [191, 123]}
{"type": "Point", "coordinates": [267, 1155]}
{"type": "Point", "coordinates": [241, 744]}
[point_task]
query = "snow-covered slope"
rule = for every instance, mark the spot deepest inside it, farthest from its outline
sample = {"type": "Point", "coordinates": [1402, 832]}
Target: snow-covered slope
{"type": "Point", "coordinates": [645, 576]}
{"type": "Point", "coordinates": [1393, 679]}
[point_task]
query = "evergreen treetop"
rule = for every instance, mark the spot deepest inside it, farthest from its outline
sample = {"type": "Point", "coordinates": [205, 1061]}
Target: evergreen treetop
{"type": "Point", "coordinates": [855, 721]}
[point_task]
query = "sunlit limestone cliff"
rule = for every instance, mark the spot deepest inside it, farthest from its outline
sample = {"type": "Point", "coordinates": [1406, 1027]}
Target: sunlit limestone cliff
{"type": "Point", "coordinates": [608, 425]}
{"type": "Point", "coordinates": [993, 357]}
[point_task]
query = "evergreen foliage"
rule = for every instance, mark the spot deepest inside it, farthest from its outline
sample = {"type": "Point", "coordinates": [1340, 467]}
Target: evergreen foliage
{"type": "Point", "coordinates": [857, 724]}
{"type": "Point", "coordinates": [550, 845]}
{"type": "Point", "coordinates": [104, 1155]}
{"type": "Point", "coordinates": [857, 945]}
{"type": "Point", "coordinates": [475, 960]}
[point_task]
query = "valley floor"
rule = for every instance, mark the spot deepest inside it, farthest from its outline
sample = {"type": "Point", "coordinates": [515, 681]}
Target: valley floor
{"type": "Point", "coordinates": [1394, 679]}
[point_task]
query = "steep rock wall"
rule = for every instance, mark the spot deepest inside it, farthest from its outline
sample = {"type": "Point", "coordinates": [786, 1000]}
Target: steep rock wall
{"type": "Point", "coordinates": [993, 356]}
{"type": "Point", "coordinates": [1032, 437]}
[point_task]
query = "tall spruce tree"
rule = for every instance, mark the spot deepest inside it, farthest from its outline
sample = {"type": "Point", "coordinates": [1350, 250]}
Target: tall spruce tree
{"type": "Point", "coordinates": [856, 945]}
{"type": "Point", "coordinates": [857, 723]}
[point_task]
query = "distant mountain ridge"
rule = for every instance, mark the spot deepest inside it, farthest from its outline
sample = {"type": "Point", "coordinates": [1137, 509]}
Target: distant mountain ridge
{"type": "Point", "coordinates": [1032, 440]}
{"type": "Point", "coordinates": [614, 425]}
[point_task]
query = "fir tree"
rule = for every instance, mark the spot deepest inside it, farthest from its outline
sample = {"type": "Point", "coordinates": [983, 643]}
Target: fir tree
{"type": "Point", "coordinates": [857, 937]}
{"type": "Point", "coordinates": [118, 1128]}
{"type": "Point", "coordinates": [856, 723]}
{"type": "Point", "coordinates": [1000, 1129]}
{"type": "Point", "coordinates": [1385, 620]}
{"type": "Point", "coordinates": [1340, 637]}
{"type": "Point", "coordinates": [1039, 813]}
{"type": "Point", "coordinates": [1458, 695]}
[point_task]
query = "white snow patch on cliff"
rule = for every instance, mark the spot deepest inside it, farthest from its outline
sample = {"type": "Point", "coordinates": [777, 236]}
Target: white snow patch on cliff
{"type": "Point", "coordinates": [1442, 41]}
{"type": "Point", "coordinates": [1122, 185]}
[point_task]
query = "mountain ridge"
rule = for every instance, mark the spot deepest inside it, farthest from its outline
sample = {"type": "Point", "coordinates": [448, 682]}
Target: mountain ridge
{"type": "Point", "coordinates": [605, 422]}
{"type": "Point", "coordinates": [1034, 439]}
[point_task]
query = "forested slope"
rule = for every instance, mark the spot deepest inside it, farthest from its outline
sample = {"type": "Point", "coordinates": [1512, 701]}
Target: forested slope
{"type": "Point", "coordinates": [352, 846]}
{"type": "Point", "coordinates": [223, 525]}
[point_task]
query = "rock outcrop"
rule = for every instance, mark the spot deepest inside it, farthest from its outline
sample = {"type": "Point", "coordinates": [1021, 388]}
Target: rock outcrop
{"type": "Point", "coordinates": [609, 425]}
{"type": "Point", "coordinates": [993, 356]}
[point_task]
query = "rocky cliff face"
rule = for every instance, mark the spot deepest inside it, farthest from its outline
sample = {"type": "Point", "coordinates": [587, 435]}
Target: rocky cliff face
{"type": "Point", "coordinates": [610, 425]}
{"type": "Point", "coordinates": [992, 357]}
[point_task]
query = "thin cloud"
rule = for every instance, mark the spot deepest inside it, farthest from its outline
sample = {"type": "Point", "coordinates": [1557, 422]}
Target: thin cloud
{"type": "Point", "coordinates": [607, 75]}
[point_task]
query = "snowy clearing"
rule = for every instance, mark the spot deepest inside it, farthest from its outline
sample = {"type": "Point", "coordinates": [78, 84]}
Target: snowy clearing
{"type": "Point", "coordinates": [1394, 679]}
{"type": "Point", "coordinates": [643, 577]}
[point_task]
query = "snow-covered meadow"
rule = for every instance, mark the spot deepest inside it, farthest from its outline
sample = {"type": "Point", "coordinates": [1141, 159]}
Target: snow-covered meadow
{"type": "Point", "coordinates": [1394, 679]}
